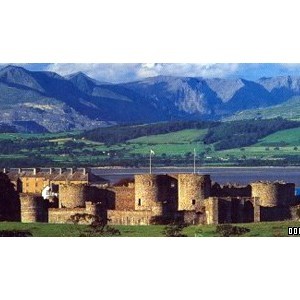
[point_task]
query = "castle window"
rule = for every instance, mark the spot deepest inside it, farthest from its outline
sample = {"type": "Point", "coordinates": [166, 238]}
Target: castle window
{"type": "Point", "coordinates": [139, 202]}
{"type": "Point", "coordinates": [193, 202]}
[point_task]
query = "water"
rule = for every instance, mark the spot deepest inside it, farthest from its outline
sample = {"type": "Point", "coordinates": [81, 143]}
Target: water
{"type": "Point", "coordinates": [221, 175]}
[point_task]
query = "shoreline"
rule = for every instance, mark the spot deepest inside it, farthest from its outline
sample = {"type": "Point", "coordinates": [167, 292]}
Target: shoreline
{"type": "Point", "coordinates": [197, 168]}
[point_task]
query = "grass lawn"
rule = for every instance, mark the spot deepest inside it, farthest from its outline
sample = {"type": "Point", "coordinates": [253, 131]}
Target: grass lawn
{"type": "Point", "coordinates": [264, 229]}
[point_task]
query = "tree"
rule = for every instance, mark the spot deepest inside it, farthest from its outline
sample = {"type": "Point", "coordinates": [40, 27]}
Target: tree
{"type": "Point", "coordinates": [174, 230]}
{"type": "Point", "coordinates": [97, 227]}
{"type": "Point", "coordinates": [226, 230]}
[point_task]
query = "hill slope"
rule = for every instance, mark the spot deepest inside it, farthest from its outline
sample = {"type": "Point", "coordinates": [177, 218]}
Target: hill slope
{"type": "Point", "coordinates": [56, 103]}
{"type": "Point", "coordinates": [288, 110]}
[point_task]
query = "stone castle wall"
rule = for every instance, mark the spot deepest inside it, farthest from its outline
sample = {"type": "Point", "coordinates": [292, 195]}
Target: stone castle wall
{"type": "Point", "coordinates": [120, 217]}
{"type": "Point", "coordinates": [220, 210]}
{"type": "Point", "coordinates": [32, 208]}
{"type": "Point", "coordinates": [73, 195]}
{"type": "Point", "coordinates": [190, 217]}
{"type": "Point", "coordinates": [211, 210]}
{"type": "Point", "coordinates": [274, 213]}
{"type": "Point", "coordinates": [63, 215]}
{"type": "Point", "coordinates": [124, 197]}
{"type": "Point", "coordinates": [192, 189]}
{"type": "Point", "coordinates": [273, 193]}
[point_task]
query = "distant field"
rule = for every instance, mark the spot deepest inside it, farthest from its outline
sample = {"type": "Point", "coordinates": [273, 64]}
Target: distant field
{"type": "Point", "coordinates": [174, 143]}
{"type": "Point", "coordinates": [41, 136]}
{"type": "Point", "coordinates": [172, 149]}
{"type": "Point", "coordinates": [178, 137]}
{"type": "Point", "coordinates": [168, 149]}
{"type": "Point", "coordinates": [264, 229]}
{"type": "Point", "coordinates": [289, 136]}
{"type": "Point", "coordinates": [258, 152]}
{"type": "Point", "coordinates": [277, 145]}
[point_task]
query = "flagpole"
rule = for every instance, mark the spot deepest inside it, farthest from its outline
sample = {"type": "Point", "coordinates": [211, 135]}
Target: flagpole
{"type": "Point", "coordinates": [194, 161]}
{"type": "Point", "coordinates": [150, 162]}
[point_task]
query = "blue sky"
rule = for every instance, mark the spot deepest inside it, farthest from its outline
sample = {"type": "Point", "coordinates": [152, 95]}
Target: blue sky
{"type": "Point", "coordinates": [119, 72]}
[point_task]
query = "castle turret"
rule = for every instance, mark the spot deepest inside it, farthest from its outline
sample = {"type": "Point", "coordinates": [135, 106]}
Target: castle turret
{"type": "Point", "coordinates": [273, 193]}
{"type": "Point", "coordinates": [32, 208]}
{"type": "Point", "coordinates": [151, 192]}
{"type": "Point", "coordinates": [72, 195]}
{"type": "Point", "coordinates": [192, 190]}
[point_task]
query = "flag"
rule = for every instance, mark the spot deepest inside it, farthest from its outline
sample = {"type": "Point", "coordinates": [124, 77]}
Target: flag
{"type": "Point", "coordinates": [152, 152]}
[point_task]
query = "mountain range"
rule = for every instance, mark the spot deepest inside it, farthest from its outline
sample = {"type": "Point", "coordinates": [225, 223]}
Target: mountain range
{"type": "Point", "coordinates": [38, 101]}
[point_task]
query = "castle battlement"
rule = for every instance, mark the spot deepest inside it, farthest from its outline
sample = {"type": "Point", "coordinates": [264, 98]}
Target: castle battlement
{"type": "Point", "coordinates": [153, 198]}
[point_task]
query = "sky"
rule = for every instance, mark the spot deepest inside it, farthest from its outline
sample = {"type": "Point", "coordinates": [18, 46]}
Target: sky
{"type": "Point", "coordinates": [125, 72]}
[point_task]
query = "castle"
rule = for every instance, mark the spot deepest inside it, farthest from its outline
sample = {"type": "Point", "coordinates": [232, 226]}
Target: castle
{"type": "Point", "coordinates": [150, 199]}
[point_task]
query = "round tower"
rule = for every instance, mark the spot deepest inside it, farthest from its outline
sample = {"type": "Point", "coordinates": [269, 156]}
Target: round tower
{"type": "Point", "coordinates": [273, 193]}
{"type": "Point", "coordinates": [192, 189]}
{"type": "Point", "coordinates": [72, 195]}
{"type": "Point", "coordinates": [147, 193]}
{"type": "Point", "coordinates": [31, 208]}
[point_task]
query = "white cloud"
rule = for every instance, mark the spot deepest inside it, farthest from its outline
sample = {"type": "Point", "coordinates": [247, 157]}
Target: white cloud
{"type": "Point", "coordinates": [289, 66]}
{"type": "Point", "coordinates": [119, 72]}
{"type": "Point", "coordinates": [102, 72]}
{"type": "Point", "coordinates": [193, 70]}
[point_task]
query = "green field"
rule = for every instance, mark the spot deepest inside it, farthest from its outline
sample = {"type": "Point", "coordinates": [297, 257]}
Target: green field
{"type": "Point", "coordinates": [274, 146]}
{"type": "Point", "coordinates": [174, 143]}
{"type": "Point", "coordinates": [258, 152]}
{"type": "Point", "coordinates": [171, 149]}
{"type": "Point", "coordinates": [177, 137]}
{"type": "Point", "coordinates": [290, 136]}
{"type": "Point", "coordinates": [264, 229]}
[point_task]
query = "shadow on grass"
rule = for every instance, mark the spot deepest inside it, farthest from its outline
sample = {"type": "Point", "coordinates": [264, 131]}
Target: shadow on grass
{"type": "Point", "coordinates": [15, 233]}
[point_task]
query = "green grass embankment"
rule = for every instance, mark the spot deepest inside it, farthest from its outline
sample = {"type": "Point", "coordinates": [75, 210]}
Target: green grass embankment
{"type": "Point", "coordinates": [263, 229]}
